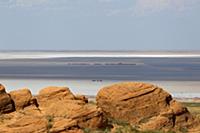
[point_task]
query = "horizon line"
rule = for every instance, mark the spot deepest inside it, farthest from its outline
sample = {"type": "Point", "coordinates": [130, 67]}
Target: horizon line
{"type": "Point", "coordinates": [99, 50]}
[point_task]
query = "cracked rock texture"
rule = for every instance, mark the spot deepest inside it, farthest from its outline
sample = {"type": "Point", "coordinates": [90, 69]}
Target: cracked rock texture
{"type": "Point", "coordinates": [144, 105]}
{"type": "Point", "coordinates": [58, 110]}
{"type": "Point", "coordinates": [53, 110]}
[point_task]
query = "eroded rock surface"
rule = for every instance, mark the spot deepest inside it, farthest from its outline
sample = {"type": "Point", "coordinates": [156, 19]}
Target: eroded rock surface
{"type": "Point", "coordinates": [6, 103]}
{"type": "Point", "coordinates": [22, 98]}
{"type": "Point", "coordinates": [144, 105]}
{"type": "Point", "coordinates": [51, 94]}
{"type": "Point", "coordinates": [61, 103]}
{"type": "Point", "coordinates": [54, 110]}
{"type": "Point", "coordinates": [58, 110]}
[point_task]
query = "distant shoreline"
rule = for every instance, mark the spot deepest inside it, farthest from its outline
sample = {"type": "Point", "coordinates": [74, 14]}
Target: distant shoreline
{"type": "Point", "coordinates": [4, 55]}
{"type": "Point", "coordinates": [99, 50]}
{"type": "Point", "coordinates": [63, 77]}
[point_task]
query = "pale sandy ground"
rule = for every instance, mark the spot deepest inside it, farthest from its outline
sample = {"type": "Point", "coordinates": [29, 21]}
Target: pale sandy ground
{"type": "Point", "coordinates": [179, 89]}
{"type": "Point", "coordinates": [53, 54]}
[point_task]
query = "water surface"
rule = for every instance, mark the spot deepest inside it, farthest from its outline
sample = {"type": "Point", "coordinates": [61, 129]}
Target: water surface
{"type": "Point", "coordinates": [87, 73]}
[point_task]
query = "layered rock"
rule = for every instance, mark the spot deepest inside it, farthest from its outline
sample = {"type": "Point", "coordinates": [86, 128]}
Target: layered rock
{"type": "Point", "coordinates": [55, 93]}
{"type": "Point", "coordinates": [22, 98]}
{"type": "Point", "coordinates": [6, 103]}
{"type": "Point", "coordinates": [58, 110]}
{"type": "Point", "coordinates": [51, 94]}
{"type": "Point", "coordinates": [59, 102]}
{"type": "Point", "coordinates": [54, 110]}
{"type": "Point", "coordinates": [25, 124]}
{"type": "Point", "coordinates": [144, 105]}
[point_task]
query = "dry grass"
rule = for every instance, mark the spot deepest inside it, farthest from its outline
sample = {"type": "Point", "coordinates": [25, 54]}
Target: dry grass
{"type": "Point", "coordinates": [193, 107]}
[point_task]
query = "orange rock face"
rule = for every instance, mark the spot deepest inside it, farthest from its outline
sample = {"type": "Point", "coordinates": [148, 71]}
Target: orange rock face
{"type": "Point", "coordinates": [58, 110]}
{"type": "Point", "coordinates": [144, 105]}
{"type": "Point", "coordinates": [51, 94]}
{"type": "Point", "coordinates": [6, 104]}
{"type": "Point", "coordinates": [22, 98]}
{"type": "Point", "coordinates": [56, 93]}
{"type": "Point", "coordinates": [60, 102]}
{"type": "Point", "coordinates": [54, 110]}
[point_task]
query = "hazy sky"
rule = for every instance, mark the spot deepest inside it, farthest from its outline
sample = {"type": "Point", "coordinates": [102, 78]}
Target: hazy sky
{"type": "Point", "coordinates": [99, 24]}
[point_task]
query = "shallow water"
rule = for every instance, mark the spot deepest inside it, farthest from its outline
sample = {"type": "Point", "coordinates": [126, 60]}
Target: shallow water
{"type": "Point", "coordinates": [179, 74]}
{"type": "Point", "coordinates": [104, 68]}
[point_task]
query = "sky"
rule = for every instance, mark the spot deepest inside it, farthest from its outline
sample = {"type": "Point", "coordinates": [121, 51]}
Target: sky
{"type": "Point", "coordinates": [100, 25]}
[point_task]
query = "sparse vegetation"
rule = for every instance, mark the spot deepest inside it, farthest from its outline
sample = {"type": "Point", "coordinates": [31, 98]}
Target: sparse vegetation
{"type": "Point", "coordinates": [93, 102]}
{"type": "Point", "coordinates": [76, 115]}
{"type": "Point", "coordinates": [183, 130]}
{"type": "Point", "coordinates": [124, 127]}
{"type": "Point", "coordinates": [191, 104]}
{"type": "Point", "coordinates": [118, 126]}
{"type": "Point", "coordinates": [49, 122]}
{"type": "Point", "coordinates": [193, 107]}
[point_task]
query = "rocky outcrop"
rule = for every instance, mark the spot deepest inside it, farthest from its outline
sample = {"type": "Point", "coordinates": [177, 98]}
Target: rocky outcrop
{"type": "Point", "coordinates": [51, 94]}
{"type": "Point", "coordinates": [6, 103]}
{"type": "Point", "coordinates": [22, 98]}
{"type": "Point", "coordinates": [54, 110]}
{"type": "Point", "coordinates": [144, 105]}
{"type": "Point", "coordinates": [58, 110]}
{"type": "Point", "coordinates": [60, 102]}
{"type": "Point", "coordinates": [56, 93]}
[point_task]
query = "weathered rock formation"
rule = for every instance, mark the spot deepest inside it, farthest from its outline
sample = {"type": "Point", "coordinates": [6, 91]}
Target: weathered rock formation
{"type": "Point", "coordinates": [144, 105]}
{"type": "Point", "coordinates": [22, 98]}
{"type": "Point", "coordinates": [54, 110]}
{"type": "Point", "coordinates": [59, 102]}
{"type": "Point", "coordinates": [6, 104]}
{"type": "Point", "coordinates": [58, 110]}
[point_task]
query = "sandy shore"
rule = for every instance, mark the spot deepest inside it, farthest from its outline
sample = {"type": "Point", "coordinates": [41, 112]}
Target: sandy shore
{"type": "Point", "coordinates": [179, 89]}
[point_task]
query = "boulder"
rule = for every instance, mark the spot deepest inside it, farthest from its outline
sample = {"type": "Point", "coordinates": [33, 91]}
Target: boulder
{"type": "Point", "coordinates": [22, 98]}
{"type": "Point", "coordinates": [6, 103]}
{"type": "Point", "coordinates": [58, 110]}
{"type": "Point", "coordinates": [56, 93]}
{"type": "Point", "coordinates": [84, 115]}
{"type": "Point", "coordinates": [51, 94]}
{"type": "Point", "coordinates": [68, 111]}
{"type": "Point", "coordinates": [145, 105]}
{"type": "Point", "coordinates": [132, 101]}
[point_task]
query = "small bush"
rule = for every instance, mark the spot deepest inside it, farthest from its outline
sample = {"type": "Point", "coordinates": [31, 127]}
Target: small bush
{"type": "Point", "coordinates": [49, 122]}
{"type": "Point", "coordinates": [183, 130]}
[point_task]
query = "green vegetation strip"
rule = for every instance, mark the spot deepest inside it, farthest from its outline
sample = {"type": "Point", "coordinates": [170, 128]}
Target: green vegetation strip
{"type": "Point", "coordinates": [191, 104]}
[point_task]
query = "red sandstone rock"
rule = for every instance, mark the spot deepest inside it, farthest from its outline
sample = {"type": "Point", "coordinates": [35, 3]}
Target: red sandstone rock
{"type": "Point", "coordinates": [22, 98]}
{"type": "Point", "coordinates": [144, 105]}
{"type": "Point", "coordinates": [6, 104]}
